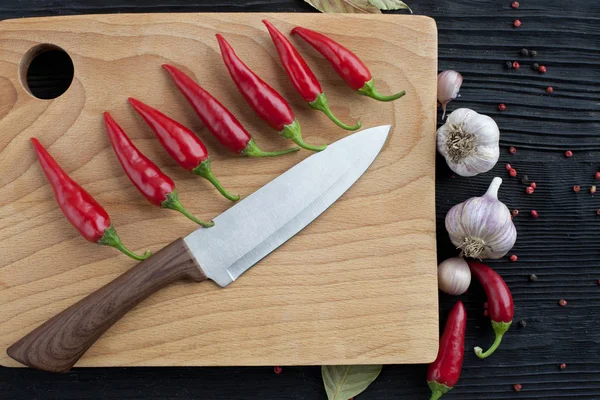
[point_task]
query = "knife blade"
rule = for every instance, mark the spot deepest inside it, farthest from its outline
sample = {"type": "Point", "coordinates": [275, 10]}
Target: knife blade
{"type": "Point", "coordinates": [241, 237]}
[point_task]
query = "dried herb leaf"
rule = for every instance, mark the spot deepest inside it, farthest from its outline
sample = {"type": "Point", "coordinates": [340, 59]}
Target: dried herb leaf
{"type": "Point", "coordinates": [344, 6]}
{"type": "Point", "coordinates": [345, 381]}
{"type": "Point", "coordinates": [390, 5]}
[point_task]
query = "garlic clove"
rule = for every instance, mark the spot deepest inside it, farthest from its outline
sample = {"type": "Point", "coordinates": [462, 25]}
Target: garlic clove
{"type": "Point", "coordinates": [454, 276]}
{"type": "Point", "coordinates": [448, 86]}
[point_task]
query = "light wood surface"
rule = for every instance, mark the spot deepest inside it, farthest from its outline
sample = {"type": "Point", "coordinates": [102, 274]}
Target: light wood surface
{"type": "Point", "coordinates": [357, 286]}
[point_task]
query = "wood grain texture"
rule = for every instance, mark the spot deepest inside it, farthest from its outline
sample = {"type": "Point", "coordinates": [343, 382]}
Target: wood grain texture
{"type": "Point", "coordinates": [561, 247]}
{"type": "Point", "coordinates": [58, 343]}
{"type": "Point", "coordinates": [357, 286]}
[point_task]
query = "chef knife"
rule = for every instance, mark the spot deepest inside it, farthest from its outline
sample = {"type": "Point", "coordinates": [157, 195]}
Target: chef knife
{"type": "Point", "coordinates": [242, 236]}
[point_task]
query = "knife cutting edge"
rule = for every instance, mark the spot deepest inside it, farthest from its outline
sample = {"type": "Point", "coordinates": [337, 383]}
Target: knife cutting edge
{"type": "Point", "coordinates": [241, 237]}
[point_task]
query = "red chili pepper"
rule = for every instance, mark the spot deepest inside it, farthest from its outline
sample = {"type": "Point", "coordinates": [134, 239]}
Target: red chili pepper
{"type": "Point", "coordinates": [500, 300]}
{"type": "Point", "coordinates": [270, 106]}
{"type": "Point", "coordinates": [219, 120]}
{"type": "Point", "coordinates": [181, 144]}
{"type": "Point", "coordinates": [302, 77]}
{"type": "Point", "coordinates": [80, 208]}
{"type": "Point", "coordinates": [157, 187]}
{"type": "Point", "coordinates": [346, 64]}
{"type": "Point", "coordinates": [444, 372]}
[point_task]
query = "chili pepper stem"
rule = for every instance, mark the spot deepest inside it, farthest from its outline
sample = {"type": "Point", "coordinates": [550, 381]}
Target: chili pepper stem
{"type": "Point", "coordinates": [110, 238]}
{"type": "Point", "coordinates": [370, 91]}
{"type": "Point", "coordinates": [172, 202]}
{"type": "Point", "coordinates": [292, 132]}
{"type": "Point", "coordinates": [321, 104]}
{"type": "Point", "coordinates": [252, 150]}
{"type": "Point", "coordinates": [437, 389]}
{"type": "Point", "coordinates": [500, 329]}
{"type": "Point", "coordinates": [203, 170]}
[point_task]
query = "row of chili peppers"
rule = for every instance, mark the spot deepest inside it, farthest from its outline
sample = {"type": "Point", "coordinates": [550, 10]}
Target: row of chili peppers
{"type": "Point", "coordinates": [444, 372]}
{"type": "Point", "coordinates": [93, 222]}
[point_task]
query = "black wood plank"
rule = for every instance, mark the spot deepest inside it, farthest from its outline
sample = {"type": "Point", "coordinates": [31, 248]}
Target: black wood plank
{"type": "Point", "coordinates": [476, 37]}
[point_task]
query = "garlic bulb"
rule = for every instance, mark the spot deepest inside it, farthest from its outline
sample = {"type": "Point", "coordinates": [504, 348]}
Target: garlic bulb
{"type": "Point", "coordinates": [481, 226]}
{"type": "Point", "coordinates": [454, 276]}
{"type": "Point", "coordinates": [448, 85]}
{"type": "Point", "coordinates": [470, 142]}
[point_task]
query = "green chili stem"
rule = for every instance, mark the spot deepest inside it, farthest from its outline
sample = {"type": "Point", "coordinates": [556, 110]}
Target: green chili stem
{"type": "Point", "coordinates": [172, 202]}
{"type": "Point", "coordinates": [110, 238]}
{"type": "Point", "coordinates": [292, 131]}
{"type": "Point", "coordinates": [203, 170]}
{"type": "Point", "coordinates": [321, 104]}
{"type": "Point", "coordinates": [500, 329]}
{"type": "Point", "coordinates": [370, 91]}
{"type": "Point", "coordinates": [437, 389]}
{"type": "Point", "coordinates": [252, 150]}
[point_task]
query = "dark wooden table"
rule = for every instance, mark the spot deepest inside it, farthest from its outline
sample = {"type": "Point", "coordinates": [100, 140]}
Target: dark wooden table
{"type": "Point", "coordinates": [476, 37]}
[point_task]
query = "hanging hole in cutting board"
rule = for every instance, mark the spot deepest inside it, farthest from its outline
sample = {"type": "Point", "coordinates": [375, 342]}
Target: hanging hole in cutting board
{"type": "Point", "coordinates": [46, 71]}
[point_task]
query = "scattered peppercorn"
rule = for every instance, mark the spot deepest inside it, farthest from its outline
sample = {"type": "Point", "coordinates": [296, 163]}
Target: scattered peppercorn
{"type": "Point", "coordinates": [513, 258]}
{"type": "Point", "coordinates": [598, 281]}
{"type": "Point", "coordinates": [525, 179]}
{"type": "Point", "coordinates": [576, 188]}
{"type": "Point", "coordinates": [277, 370]}
{"type": "Point", "coordinates": [485, 305]}
{"type": "Point", "coordinates": [524, 52]}
{"type": "Point", "coordinates": [533, 53]}
{"type": "Point", "coordinates": [515, 212]}
{"type": "Point", "coordinates": [598, 212]}
{"type": "Point", "coordinates": [512, 172]}
{"type": "Point", "coordinates": [508, 167]}
{"type": "Point", "coordinates": [593, 189]}
{"type": "Point", "coordinates": [534, 214]}
{"type": "Point", "coordinates": [501, 106]}
{"type": "Point", "coordinates": [568, 153]}
{"type": "Point", "coordinates": [508, 64]}
{"type": "Point", "coordinates": [529, 190]}
{"type": "Point", "coordinates": [486, 313]}
{"type": "Point", "coordinates": [516, 65]}
{"type": "Point", "coordinates": [563, 366]}
{"type": "Point", "coordinates": [533, 278]}
{"type": "Point", "coordinates": [597, 175]}
{"type": "Point", "coordinates": [535, 66]}
{"type": "Point", "coordinates": [533, 185]}
{"type": "Point", "coordinates": [549, 89]}
{"type": "Point", "coordinates": [515, 4]}
{"type": "Point", "coordinates": [542, 69]}
{"type": "Point", "coordinates": [522, 323]}
{"type": "Point", "coordinates": [512, 150]}
{"type": "Point", "coordinates": [562, 302]}
{"type": "Point", "coordinates": [517, 387]}
{"type": "Point", "coordinates": [517, 23]}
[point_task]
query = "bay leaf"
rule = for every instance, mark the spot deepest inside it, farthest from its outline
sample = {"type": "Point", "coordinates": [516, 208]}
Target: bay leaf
{"type": "Point", "coordinates": [390, 5]}
{"type": "Point", "coordinates": [345, 381]}
{"type": "Point", "coordinates": [344, 6]}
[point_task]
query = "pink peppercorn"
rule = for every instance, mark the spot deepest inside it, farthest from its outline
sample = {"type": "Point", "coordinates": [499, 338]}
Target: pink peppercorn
{"type": "Point", "coordinates": [513, 258]}
{"type": "Point", "coordinates": [542, 69]}
{"type": "Point", "coordinates": [501, 107]}
{"type": "Point", "coordinates": [533, 185]}
{"type": "Point", "coordinates": [597, 174]}
{"type": "Point", "coordinates": [517, 23]}
{"type": "Point", "coordinates": [562, 302]}
{"type": "Point", "coordinates": [517, 387]}
{"type": "Point", "coordinates": [515, 212]}
{"type": "Point", "coordinates": [512, 172]}
{"type": "Point", "coordinates": [486, 313]}
{"type": "Point", "coordinates": [508, 168]}
{"type": "Point", "coordinates": [515, 4]}
{"type": "Point", "coordinates": [534, 214]}
{"type": "Point", "coordinates": [516, 65]}
{"type": "Point", "coordinates": [277, 370]}
{"type": "Point", "coordinates": [549, 89]}
{"type": "Point", "coordinates": [568, 153]}
{"type": "Point", "coordinates": [563, 366]}
{"type": "Point", "coordinates": [512, 150]}
{"type": "Point", "coordinates": [576, 188]}
{"type": "Point", "coordinates": [529, 190]}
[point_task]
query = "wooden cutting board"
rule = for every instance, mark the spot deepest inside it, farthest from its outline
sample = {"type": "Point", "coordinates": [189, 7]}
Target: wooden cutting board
{"type": "Point", "coordinates": [356, 286]}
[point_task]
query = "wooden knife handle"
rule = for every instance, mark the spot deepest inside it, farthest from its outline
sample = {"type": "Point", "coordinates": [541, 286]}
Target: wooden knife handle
{"type": "Point", "coordinates": [58, 343]}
